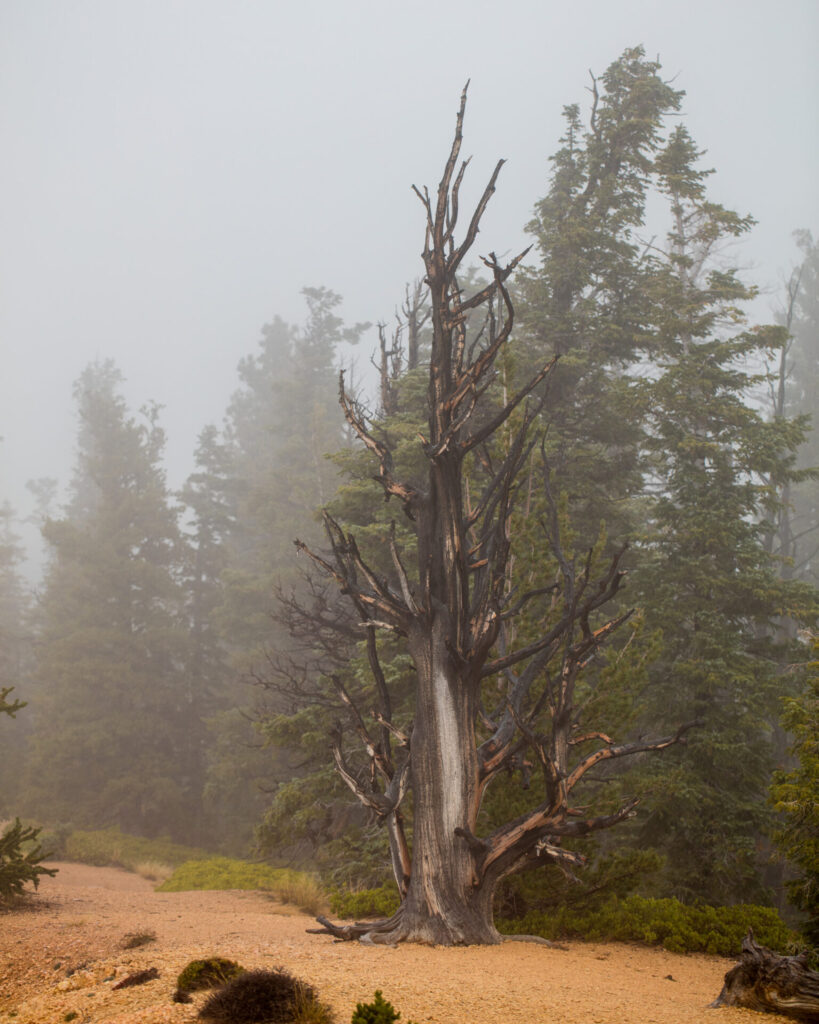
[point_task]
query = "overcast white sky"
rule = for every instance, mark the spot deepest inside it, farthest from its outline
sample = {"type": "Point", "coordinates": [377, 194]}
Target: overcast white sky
{"type": "Point", "coordinates": [175, 171]}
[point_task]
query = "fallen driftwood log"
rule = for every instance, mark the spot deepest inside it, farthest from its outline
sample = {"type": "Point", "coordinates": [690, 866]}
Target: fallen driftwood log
{"type": "Point", "coordinates": [765, 981]}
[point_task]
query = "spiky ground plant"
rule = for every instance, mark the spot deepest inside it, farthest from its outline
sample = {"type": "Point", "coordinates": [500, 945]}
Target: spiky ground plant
{"type": "Point", "coordinates": [274, 997]}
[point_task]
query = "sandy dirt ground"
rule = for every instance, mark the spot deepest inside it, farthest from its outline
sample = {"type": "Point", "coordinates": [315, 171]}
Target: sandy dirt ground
{"type": "Point", "coordinates": [63, 954]}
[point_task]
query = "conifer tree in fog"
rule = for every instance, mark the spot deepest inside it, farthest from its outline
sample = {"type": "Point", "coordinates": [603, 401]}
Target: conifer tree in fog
{"type": "Point", "coordinates": [585, 296]}
{"type": "Point", "coordinates": [257, 483]}
{"type": "Point", "coordinates": [705, 576]}
{"type": "Point", "coordinates": [14, 602]}
{"type": "Point", "coordinates": [794, 535]}
{"type": "Point", "coordinates": [112, 703]}
{"type": "Point", "coordinates": [281, 425]}
{"type": "Point", "coordinates": [651, 428]}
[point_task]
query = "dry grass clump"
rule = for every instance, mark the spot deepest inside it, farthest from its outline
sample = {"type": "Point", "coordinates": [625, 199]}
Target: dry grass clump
{"type": "Point", "coordinates": [153, 870]}
{"type": "Point", "coordinates": [302, 891]}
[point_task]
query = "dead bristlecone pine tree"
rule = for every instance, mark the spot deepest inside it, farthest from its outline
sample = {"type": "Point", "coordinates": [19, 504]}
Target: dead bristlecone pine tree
{"type": "Point", "coordinates": [489, 696]}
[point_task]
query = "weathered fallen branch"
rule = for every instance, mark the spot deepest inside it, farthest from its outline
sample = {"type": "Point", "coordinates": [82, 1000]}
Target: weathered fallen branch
{"type": "Point", "coordinates": [770, 983]}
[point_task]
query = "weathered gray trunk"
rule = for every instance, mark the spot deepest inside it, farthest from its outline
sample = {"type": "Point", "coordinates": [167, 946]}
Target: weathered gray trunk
{"type": "Point", "coordinates": [447, 901]}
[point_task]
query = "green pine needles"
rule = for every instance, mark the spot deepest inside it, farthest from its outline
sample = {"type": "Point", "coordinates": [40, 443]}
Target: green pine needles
{"type": "Point", "coordinates": [379, 1011]}
{"type": "Point", "coordinates": [20, 856]}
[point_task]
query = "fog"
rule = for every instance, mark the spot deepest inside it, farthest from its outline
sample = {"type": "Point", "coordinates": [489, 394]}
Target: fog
{"type": "Point", "coordinates": [175, 172]}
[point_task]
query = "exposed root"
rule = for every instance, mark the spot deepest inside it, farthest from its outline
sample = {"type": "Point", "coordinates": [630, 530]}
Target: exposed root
{"type": "Point", "coordinates": [369, 932]}
{"type": "Point", "coordinates": [399, 928]}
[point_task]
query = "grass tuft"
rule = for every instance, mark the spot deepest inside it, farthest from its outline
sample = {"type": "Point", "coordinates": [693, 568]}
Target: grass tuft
{"type": "Point", "coordinates": [153, 870]}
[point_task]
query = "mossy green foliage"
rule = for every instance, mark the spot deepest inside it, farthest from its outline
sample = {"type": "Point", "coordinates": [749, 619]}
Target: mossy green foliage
{"type": "Point", "coordinates": [663, 922]}
{"type": "Point", "coordinates": [380, 902]}
{"type": "Point", "coordinates": [379, 1011]}
{"type": "Point", "coordinates": [20, 856]}
{"type": "Point", "coordinates": [294, 887]}
{"type": "Point", "coordinates": [209, 973]}
{"type": "Point", "coordinates": [111, 847]}
{"type": "Point", "coordinates": [9, 707]}
{"type": "Point", "coordinates": [274, 997]}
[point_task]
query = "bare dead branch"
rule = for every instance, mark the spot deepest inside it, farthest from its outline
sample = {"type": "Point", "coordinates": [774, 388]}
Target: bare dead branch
{"type": "Point", "coordinates": [392, 487]}
{"type": "Point", "coordinates": [611, 751]}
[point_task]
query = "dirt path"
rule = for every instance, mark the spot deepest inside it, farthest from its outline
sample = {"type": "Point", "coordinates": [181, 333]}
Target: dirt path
{"type": "Point", "coordinates": [65, 954]}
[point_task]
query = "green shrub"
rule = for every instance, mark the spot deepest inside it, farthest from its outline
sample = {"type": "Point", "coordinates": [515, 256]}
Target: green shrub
{"type": "Point", "coordinates": [379, 1011]}
{"type": "Point", "coordinates": [54, 837]}
{"type": "Point", "coordinates": [295, 887]}
{"type": "Point", "coordinates": [209, 973]}
{"type": "Point", "coordinates": [381, 902]}
{"type": "Point", "coordinates": [20, 856]}
{"type": "Point", "coordinates": [677, 927]}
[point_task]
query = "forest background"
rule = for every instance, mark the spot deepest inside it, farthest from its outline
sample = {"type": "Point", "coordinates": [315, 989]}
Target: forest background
{"type": "Point", "coordinates": [150, 658]}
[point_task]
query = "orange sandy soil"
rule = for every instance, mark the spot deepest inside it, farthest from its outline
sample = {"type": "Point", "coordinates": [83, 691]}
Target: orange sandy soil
{"type": "Point", "coordinates": [61, 952]}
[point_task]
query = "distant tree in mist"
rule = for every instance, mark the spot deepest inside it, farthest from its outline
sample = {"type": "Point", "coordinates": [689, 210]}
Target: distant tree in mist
{"type": "Point", "coordinates": [257, 483]}
{"type": "Point", "coordinates": [15, 656]}
{"type": "Point", "coordinates": [109, 695]}
{"type": "Point", "coordinates": [14, 605]}
{"type": "Point", "coordinates": [794, 534]}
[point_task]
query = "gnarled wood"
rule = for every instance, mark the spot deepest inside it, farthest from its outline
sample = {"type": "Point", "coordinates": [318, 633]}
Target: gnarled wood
{"type": "Point", "coordinates": [770, 983]}
{"type": "Point", "coordinates": [454, 610]}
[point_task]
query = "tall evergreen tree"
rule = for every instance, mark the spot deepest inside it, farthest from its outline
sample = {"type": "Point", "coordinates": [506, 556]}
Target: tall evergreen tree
{"type": "Point", "coordinates": [585, 300]}
{"type": "Point", "coordinates": [112, 704]}
{"type": "Point", "coordinates": [257, 485]}
{"type": "Point", "coordinates": [208, 676]}
{"type": "Point", "coordinates": [705, 577]}
{"type": "Point", "coordinates": [281, 425]}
